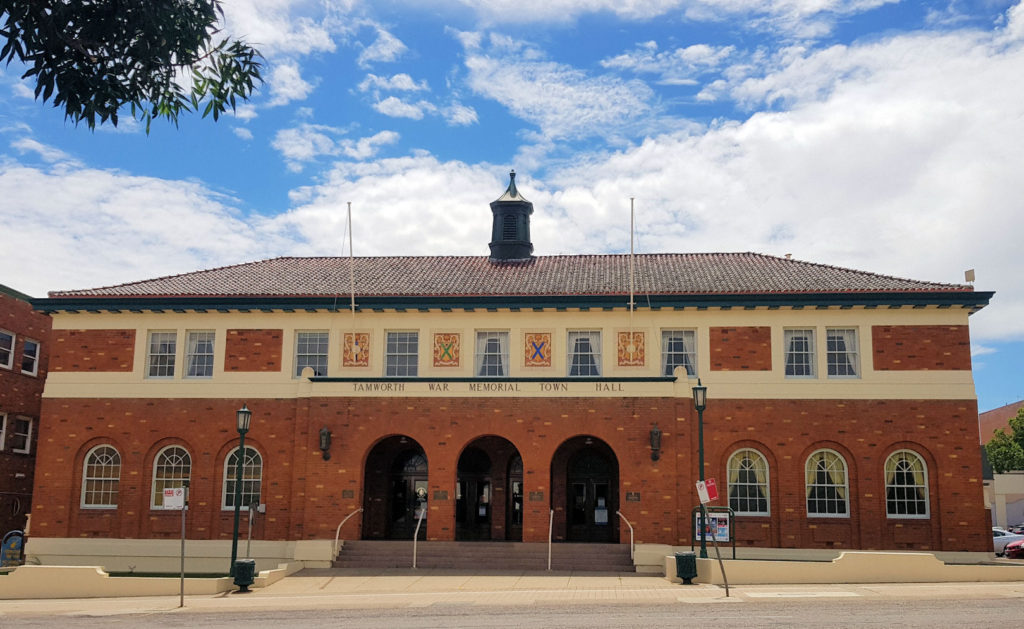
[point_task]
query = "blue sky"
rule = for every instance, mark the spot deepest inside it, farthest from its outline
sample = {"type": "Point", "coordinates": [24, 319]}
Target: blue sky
{"type": "Point", "coordinates": [874, 134]}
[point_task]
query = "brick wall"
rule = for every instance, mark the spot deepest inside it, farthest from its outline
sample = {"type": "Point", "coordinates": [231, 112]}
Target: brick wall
{"type": "Point", "coordinates": [307, 497]}
{"type": "Point", "coordinates": [93, 350]}
{"type": "Point", "coordinates": [921, 347]}
{"type": "Point", "coordinates": [253, 350]}
{"type": "Point", "coordinates": [741, 348]}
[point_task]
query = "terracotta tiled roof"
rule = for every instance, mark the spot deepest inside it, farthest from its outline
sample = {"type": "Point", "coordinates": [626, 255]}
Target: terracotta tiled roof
{"type": "Point", "coordinates": [440, 276]}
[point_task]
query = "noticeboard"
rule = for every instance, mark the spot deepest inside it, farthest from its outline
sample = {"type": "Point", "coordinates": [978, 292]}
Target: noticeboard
{"type": "Point", "coordinates": [719, 522]}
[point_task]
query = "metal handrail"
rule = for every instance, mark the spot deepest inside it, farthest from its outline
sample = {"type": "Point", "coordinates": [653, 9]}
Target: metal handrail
{"type": "Point", "coordinates": [337, 533]}
{"type": "Point", "coordinates": [551, 523]}
{"type": "Point", "coordinates": [631, 547]}
{"type": "Point", "coordinates": [416, 534]}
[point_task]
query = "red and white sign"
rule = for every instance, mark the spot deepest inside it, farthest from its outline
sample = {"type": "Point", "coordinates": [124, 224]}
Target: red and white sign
{"type": "Point", "coordinates": [707, 491]}
{"type": "Point", "coordinates": [174, 498]}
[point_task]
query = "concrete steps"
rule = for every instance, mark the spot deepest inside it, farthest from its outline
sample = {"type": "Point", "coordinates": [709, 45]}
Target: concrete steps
{"type": "Point", "coordinates": [496, 556]}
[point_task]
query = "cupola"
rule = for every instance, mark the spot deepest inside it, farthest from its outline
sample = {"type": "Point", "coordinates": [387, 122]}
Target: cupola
{"type": "Point", "coordinates": [510, 231]}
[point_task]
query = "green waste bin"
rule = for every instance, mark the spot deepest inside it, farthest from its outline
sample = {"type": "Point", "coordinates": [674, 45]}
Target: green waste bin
{"type": "Point", "coordinates": [245, 573]}
{"type": "Point", "coordinates": [686, 566]}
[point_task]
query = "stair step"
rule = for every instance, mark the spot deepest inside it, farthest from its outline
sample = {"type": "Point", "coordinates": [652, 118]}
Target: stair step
{"type": "Point", "coordinates": [485, 555]}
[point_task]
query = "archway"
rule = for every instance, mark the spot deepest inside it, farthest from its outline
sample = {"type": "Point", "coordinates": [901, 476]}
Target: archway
{"type": "Point", "coordinates": [395, 490]}
{"type": "Point", "coordinates": [488, 492]}
{"type": "Point", "coordinates": [585, 476]}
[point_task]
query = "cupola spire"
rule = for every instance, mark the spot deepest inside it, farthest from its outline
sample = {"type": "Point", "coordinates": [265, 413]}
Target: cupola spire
{"type": "Point", "coordinates": [510, 231]}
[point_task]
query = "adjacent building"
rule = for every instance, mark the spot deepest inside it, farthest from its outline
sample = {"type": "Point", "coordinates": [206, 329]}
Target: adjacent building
{"type": "Point", "coordinates": [499, 397]}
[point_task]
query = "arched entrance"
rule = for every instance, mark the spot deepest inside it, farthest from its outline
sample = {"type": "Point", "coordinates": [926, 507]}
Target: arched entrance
{"type": "Point", "coordinates": [488, 493]}
{"type": "Point", "coordinates": [585, 475]}
{"type": "Point", "coordinates": [395, 490]}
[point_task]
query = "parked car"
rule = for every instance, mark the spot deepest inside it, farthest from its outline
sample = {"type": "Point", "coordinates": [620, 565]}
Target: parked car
{"type": "Point", "coordinates": [1016, 528]}
{"type": "Point", "coordinates": [1014, 550]}
{"type": "Point", "coordinates": [1001, 538]}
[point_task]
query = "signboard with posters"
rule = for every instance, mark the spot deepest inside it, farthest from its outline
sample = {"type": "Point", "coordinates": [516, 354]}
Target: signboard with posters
{"type": "Point", "coordinates": [10, 549]}
{"type": "Point", "coordinates": [716, 521]}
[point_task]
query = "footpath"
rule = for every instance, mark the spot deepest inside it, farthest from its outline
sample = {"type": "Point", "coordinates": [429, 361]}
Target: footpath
{"type": "Point", "coordinates": [363, 589]}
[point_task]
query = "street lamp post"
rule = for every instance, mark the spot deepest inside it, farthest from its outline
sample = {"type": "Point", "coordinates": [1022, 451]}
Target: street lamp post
{"type": "Point", "coordinates": [700, 402]}
{"type": "Point", "coordinates": [242, 416]}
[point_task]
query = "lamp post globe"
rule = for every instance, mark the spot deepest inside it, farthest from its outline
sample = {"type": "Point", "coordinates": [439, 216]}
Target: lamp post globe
{"type": "Point", "coordinates": [243, 417]}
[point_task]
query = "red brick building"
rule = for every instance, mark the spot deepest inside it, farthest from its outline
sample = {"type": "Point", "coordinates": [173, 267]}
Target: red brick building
{"type": "Point", "coordinates": [494, 395]}
{"type": "Point", "coordinates": [24, 339]}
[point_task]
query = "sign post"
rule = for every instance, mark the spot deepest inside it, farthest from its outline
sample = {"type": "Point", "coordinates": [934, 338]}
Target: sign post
{"type": "Point", "coordinates": [707, 491]}
{"type": "Point", "coordinates": [176, 498]}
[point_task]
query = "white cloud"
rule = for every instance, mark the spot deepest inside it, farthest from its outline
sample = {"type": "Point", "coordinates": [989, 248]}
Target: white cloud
{"type": "Point", "coordinates": [398, 82]}
{"type": "Point", "coordinates": [677, 66]}
{"type": "Point", "coordinates": [562, 101]}
{"type": "Point", "coordinates": [287, 84]}
{"type": "Point", "coordinates": [46, 153]}
{"type": "Point", "coordinates": [459, 115]}
{"type": "Point", "coordinates": [398, 108]}
{"type": "Point", "coordinates": [245, 112]}
{"type": "Point", "coordinates": [307, 142]}
{"type": "Point", "coordinates": [277, 27]}
{"type": "Point", "coordinates": [385, 48]}
{"type": "Point", "coordinates": [364, 148]}
{"type": "Point", "coordinates": [242, 133]}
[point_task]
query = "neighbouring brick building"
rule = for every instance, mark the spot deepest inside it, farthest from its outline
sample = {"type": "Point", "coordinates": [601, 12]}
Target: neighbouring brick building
{"type": "Point", "coordinates": [498, 392]}
{"type": "Point", "coordinates": [24, 338]}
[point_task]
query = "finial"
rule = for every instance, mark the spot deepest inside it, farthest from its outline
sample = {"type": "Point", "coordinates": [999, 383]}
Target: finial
{"type": "Point", "coordinates": [512, 174]}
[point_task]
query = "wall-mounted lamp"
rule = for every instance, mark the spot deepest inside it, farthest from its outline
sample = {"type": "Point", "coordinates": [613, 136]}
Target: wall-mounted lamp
{"type": "Point", "coordinates": [655, 443]}
{"type": "Point", "coordinates": [325, 443]}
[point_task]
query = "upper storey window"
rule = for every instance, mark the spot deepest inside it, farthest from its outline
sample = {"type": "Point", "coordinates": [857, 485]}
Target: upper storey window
{"type": "Point", "coordinates": [402, 354]}
{"type": "Point", "coordinates": [585, 353]}
{"type": "Point", "coordinates": [311, 351]}
{"type": "Point", "coordinates": [492, 354]}
{"type": "Point", "coordinates": [678, 349]}
{"type": "Point", "coordinates": [30, 357]}
{"type": "Point", "coordinates": [799, 353]}
{"type": "Point", "coordinates": [6, 349]}
{"type": "Point", "coordinates": [160, 358]}
{"type": "Point", "coordinates": [199, 355]}
{"type": "Point", "coordinates": [841, 350]}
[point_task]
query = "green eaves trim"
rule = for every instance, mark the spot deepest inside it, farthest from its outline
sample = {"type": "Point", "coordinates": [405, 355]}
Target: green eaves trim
{"type": "Point", "coordinates": [496, 380]}
{"type": "Point", "coordinates": [971, 299]}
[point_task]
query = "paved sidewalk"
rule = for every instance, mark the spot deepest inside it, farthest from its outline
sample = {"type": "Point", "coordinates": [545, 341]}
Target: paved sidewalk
{"type": "Point", "coordinates": [355, 589]}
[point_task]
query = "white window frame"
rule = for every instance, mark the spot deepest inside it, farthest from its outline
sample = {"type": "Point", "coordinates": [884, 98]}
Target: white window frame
{"type": "Point", "coordinates": [3, 431]}
{"type": "Point", "coordinates": [28, 434]}
{"type": "Point", "coordinates": [9, 363]}
{"type": "Point", "coordinates": [594, 339]}
{"type": "Point", "coordinates": [765, 486]}
{"type": "Point", "coordinates": [86, 478]}
{"type": "Point", "coordinates": [845, 486]}
{"type": "Point", "coordinates": [176, 476]}
{"type": "Point", "coordinates": [401, 347]}
{"type": "Point", "coordinates": [168, 359]}
{"type": "Point", "coordinates": [305, 353]}
{"type": "Point", "coordinates": [689, 353]}
{"type": "Point", "coordinates": [789, 336]}
{"type": "Point", "coordinates": [483, 356]}
{"type": "Point", "coordinates": [34, 358]}
{"type": "Point", "coordinates": [851, 354]}
{"type": "Point", "coordinates": [226, 495]}
{"type": "Point", "coordinates": [192, 344]}
{"type": "Point", "coordinates": [924, 486]}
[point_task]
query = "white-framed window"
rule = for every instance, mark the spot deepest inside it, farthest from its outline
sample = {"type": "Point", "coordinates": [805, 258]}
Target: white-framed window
{"type": "Point", "coordinates": [101, 478]}
{"type": "Point", "coordinates": [6, 349]}
{"type": "Point", "coordinates": [163, 346]}
{"type": "Point", "coordinates": [799, 353]}
{"type": "Point", "coordinates": [21, 435]}
{"type": "Point", "coordinates": [491, 354]}
{"type": "Point", "coordinates": [842, 353]}
{"type": "Point", "coordinates": [171, 468]}
{"type": "Point", "coordinates": [401, 355]}
{"type": "Point", "coordinates": [252, 478]}
{"type": "Point", "coordinates": [679, 349]}
{"type": "Point", "coordinates": [748, 483]}
{"type": "Point", "coordinates": [828, 485]}
{"type": "Point", "coordinates": [906, 485]}
{"type": "Point", "coordinates": [311, 351]}
{"type": "Point", "coordinates": [584, 353]}
{"type": "Point", "coordinates": [30, 357]}
{"type": "Point", "coordinates": [199, 354]}
{"type": "Point", "coordinates": [3, 431]}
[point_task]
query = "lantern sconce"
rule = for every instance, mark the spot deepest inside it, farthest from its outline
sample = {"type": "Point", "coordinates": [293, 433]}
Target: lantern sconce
{"type": "Point", "coordinates": [655, 443]}
{"type": "Point", "coordinates": [325, 443]}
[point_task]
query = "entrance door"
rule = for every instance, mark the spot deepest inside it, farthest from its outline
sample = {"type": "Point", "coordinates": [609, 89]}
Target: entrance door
{"type": "Point", "coordinates": [514, 508]}
{"type": "Point", "coordinates": [591, 498]}
{"type": "Point", "coordinates": [408, 496]}
{"type": "Point", "coordinates": [473, 496]}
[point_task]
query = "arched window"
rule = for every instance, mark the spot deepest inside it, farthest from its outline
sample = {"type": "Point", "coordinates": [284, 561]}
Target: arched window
{"type": "Point", "coordinates": [100, 478]}
{"type": "Point", "coordinates": [172, 468]}
{"type": "Point", "coordinates": [906, 485]}
{"type": "Point", "coordinates": [827, 485]}
{"type": "Point", "coordinates": [252, 477]}
{"type": "Point", "coordinates": [748, 483]}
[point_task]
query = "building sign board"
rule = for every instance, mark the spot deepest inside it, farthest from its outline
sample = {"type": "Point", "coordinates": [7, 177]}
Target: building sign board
{"type": "Point", "coordinates": [716, 522]}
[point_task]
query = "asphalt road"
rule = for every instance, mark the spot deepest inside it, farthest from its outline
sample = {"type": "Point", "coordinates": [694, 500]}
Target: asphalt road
{"type": "Point", "coordinates": [812, 611]}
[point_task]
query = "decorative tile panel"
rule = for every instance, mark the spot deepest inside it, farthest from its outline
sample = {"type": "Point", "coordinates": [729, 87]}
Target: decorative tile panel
{"type": "Point", "coordinates": [537, 349]}
{"type": "Point", "coordinates": [447, 348]}
{"type": "Point", "coordinates": [634, 358]}
{"type": "Point", "coordinates": [356, 350]}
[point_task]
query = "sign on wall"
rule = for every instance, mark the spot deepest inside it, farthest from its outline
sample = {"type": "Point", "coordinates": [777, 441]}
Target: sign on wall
{"type": "Point", "coordinates": [631, 349]}
{"type": "Point", "coordinates": [447, 346]}
{"type": "Point", "coordinates": [356, 350]}
{"type": "Point", "coordinates": [537, 349]}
